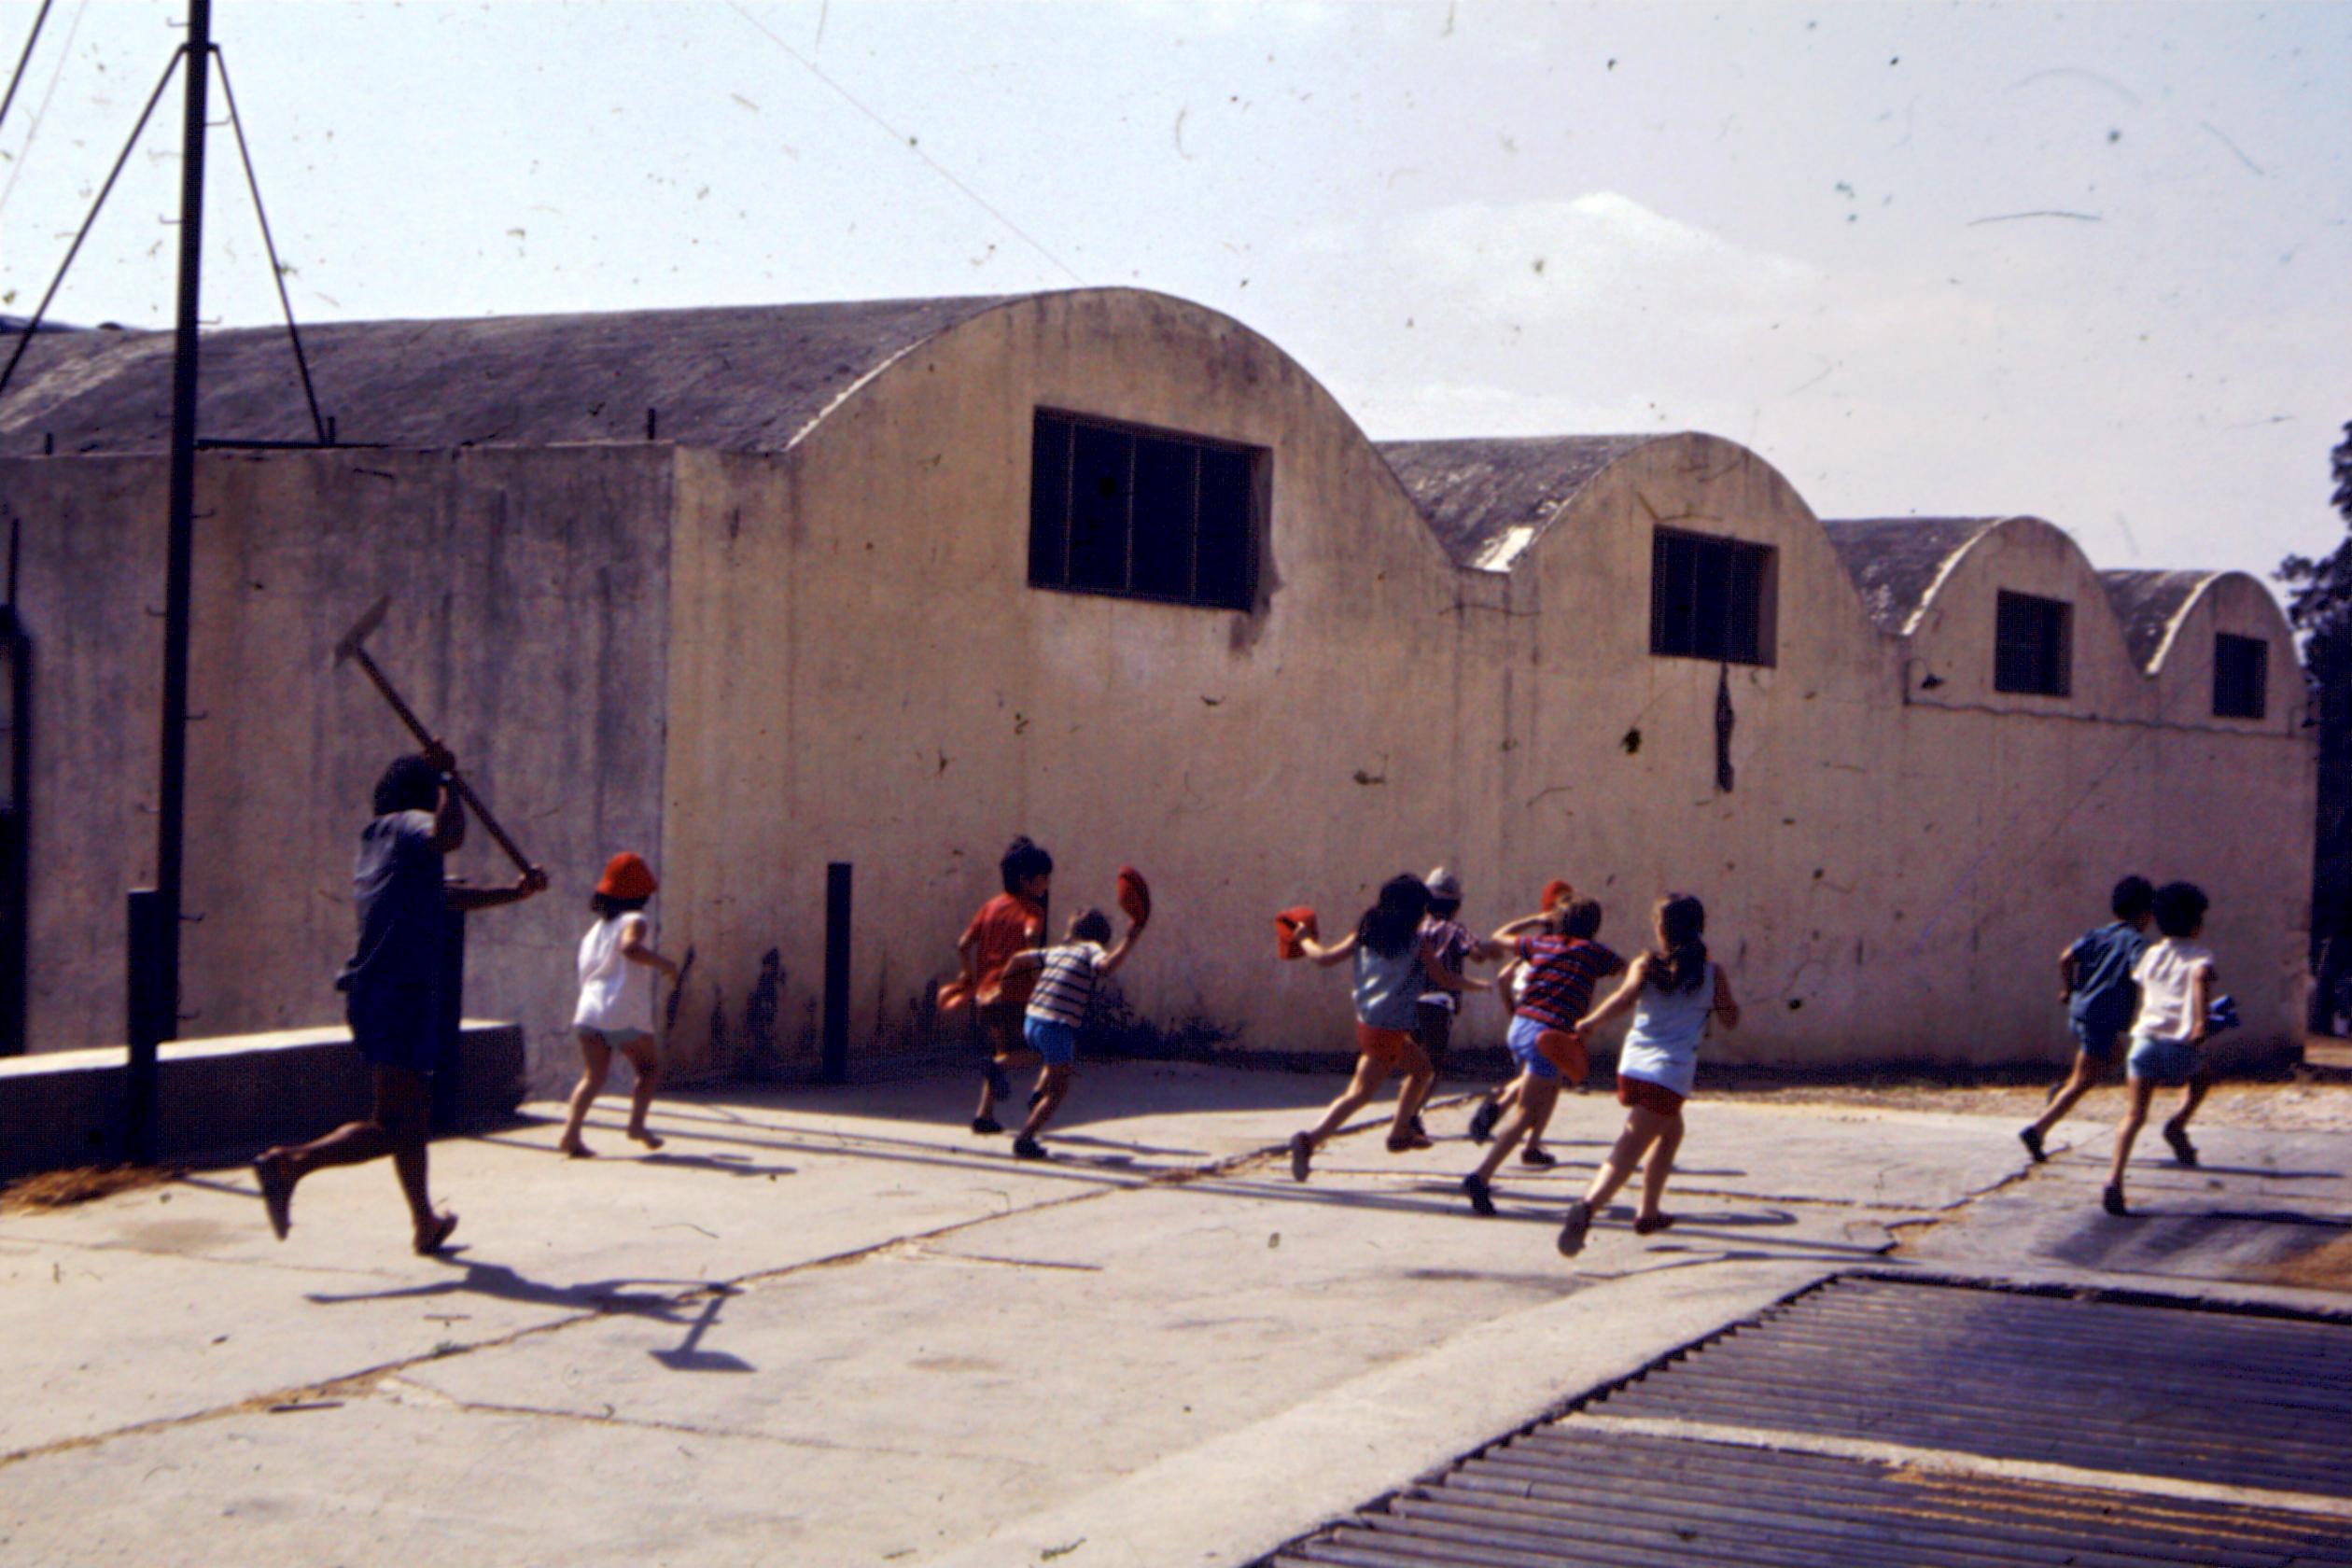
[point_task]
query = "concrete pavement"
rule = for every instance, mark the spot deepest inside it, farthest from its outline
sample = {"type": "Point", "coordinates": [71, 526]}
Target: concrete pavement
{"type": "Point", "coordinates": [832, 1326]}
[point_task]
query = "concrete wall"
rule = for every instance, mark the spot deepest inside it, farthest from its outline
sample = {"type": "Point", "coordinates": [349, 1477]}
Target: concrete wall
{"type": "Point", "coordinates": [861, 673]}
{"type": "Point", "coordinates": [756, 664]}
{"type": "Point", "coordinates": [529, 621]}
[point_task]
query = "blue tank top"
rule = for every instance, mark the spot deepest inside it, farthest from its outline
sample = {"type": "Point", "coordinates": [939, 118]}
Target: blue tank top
{"type": "Point", "coordinates": [1387, 986]}
{"type": "Point", "coordinates": [1663, 1046]}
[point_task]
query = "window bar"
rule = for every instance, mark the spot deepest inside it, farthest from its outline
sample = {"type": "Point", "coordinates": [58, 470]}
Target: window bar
{"type": "Point", "coordinates": [1192, 575]}
{"type": "Point", "coordinates": [1135, 462]}
{"type": "Point", "coordinates": [1070, 497]}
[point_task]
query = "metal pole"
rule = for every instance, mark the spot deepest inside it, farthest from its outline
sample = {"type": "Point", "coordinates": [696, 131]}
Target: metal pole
{"type": "Point", "coordinates": [835, 1066]}
{"type": "Point", "coordinates": [148, 1022]}
{"type": "Point", "coordinates": [171, 794]}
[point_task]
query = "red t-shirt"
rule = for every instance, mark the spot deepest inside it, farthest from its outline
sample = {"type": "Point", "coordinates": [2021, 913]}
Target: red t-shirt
{"type": "Point", "coordinates": [1005, 925]}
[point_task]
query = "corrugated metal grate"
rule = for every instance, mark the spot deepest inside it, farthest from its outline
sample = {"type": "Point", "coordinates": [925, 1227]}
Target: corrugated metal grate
{"type": "Point", "coordinates": [2132, 1391]}
{"type": "Point", "coordinates": [2153, 1391]}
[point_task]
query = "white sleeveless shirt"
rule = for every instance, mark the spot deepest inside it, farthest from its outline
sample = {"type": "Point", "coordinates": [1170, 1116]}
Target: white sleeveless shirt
{"type": "Point", "coordinates": [614, 993]}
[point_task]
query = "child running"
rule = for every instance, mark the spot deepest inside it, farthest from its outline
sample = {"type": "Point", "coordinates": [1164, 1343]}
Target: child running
{"type": "Point", "coordinates": [1013, 920]}
{"type": "Point", "coordinates": [1393, 967]}
{"type": "Point", "coordinates": [2177, 978]}
{"type": "Point", "coordinates": [1450, 946]}
{"type": "Point", "coordinates": [1558, 894]}
{"type": "Point", "coordinates": [2095, 981]}
{"type": "Point", "coordinates": [617, 966]}
{"type": "Point", "coordinates": [1063, 993]}
{"type": "Point", "coordinates": [1563, 964]}
{"type": "Point", "coordinates": [1673, 990]}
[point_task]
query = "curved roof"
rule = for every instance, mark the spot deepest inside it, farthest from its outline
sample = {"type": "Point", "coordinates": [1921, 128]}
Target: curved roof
{"type": "Point", "coordinates": [1895, 561]}
{"type": "Point", "coordinates": [2148, 603]}
{"type": "Point", "coordinates": [744, 378]}
{"type": "Point", "coordinates": [1487, 499]}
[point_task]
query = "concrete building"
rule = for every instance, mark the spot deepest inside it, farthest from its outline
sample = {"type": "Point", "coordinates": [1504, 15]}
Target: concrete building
{"type": "Point", "coordinates": [757, 590]}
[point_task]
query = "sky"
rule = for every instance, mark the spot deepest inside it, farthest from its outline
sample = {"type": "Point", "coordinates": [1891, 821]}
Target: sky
{"type": "Point", "coordinates": [2092, 262]}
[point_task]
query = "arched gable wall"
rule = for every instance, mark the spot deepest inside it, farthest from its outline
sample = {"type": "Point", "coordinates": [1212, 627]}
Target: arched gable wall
{"type": "Point", "coordinates": [870, 679]}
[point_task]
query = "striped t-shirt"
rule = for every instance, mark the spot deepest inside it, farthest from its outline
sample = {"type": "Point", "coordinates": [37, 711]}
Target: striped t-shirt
{"type": "Point", "coordinates": [1561, 970]}
{"type": "Point", "coordinates": [1066, 979]}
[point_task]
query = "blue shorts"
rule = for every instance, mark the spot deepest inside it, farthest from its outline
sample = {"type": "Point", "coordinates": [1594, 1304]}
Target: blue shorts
{"type": "Point", "coordinates": [2167, 1063]}
{"type": "Point", "coordinates": [2096, 1043]}
{"type": "Point", "coordinates": [1057, 1044]}
{"type": "Point", "coordinates": [1522, 1040]}
{"type": "Point", "coordinates": [397, 1027]}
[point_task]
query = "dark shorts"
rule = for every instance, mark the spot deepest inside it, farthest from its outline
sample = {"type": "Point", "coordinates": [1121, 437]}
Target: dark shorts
{"type": "Point", "coordinates": [1647, 1096]}
{"type": "Point", "coordinates": [2096, 1043]}
{"type": "Point", "coordinates": [396, 1028]}
{"type": "Point", "coordinates": [996, 1028]}
{"type": "Point", "coordinates": [1433, 1026]}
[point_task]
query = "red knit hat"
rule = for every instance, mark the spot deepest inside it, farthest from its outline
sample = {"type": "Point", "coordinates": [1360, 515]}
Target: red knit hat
{"type": "Point", "coordinates": [627, 877]}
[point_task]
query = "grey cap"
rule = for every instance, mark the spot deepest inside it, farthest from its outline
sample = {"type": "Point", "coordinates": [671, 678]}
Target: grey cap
{"type": "Point", "coordinates": [1443, 884]}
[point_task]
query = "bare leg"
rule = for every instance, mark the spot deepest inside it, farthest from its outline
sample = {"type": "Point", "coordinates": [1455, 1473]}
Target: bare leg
{"type": "Point", "coordinates": [1643, 1127]}
{"type": "Point", "coordinates": [1540, 1118]}
{"type": "Point", "coordinates": [2135, 1118]}
{"type": "Point", "coordinates": [1534, 1107]}
{"type": "Point", "coordinates": [1053, 1088]}
{"type": "Point", "coordinates": [1370, 1075]}
{"type": "Point", "coordinates": [1661, 1166]}
{"type": "Point", "coordinates": [2078, 1082]}
{"type": "Point", "coordinates": [2192, 1096]}
{"type": "Point", "coordinates": [595, 1062]}
{"type": "Point", "coordinates": [1419, 1078]}
{"type": "Point", "coordinates": [647, 1059]}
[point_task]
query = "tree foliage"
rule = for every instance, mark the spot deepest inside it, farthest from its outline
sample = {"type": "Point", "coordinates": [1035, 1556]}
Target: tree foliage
{"type": "Point", "coordinates": [2319, 592]}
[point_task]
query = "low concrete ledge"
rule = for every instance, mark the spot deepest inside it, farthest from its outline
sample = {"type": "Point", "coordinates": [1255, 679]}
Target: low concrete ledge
{"type": "Point", "coordinates": [227, 1097]}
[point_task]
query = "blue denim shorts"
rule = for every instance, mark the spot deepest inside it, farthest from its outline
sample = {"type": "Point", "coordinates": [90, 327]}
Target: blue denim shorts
{"type": "Point", "coordinates": [1057, 1044]}
{"type": "Point", "coordinates": [1522, 1040]}
{"type": "Point", "coordinates": [2096, 1043]}
{"type": "Point", "coordinates": [2168, 1063]}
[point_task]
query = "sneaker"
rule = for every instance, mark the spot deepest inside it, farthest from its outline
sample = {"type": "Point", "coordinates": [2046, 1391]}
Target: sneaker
{"type": "Point", "coordinates": [1482, 1121]}
{"type": "Point", "coordinates": [986, 1126]}
{"type": "Point", "coordinates": [1541, 1159]}
{"type": "Point", "coordinates": [1419, 1131]}
{"type": "Point", "coordinates": [1408, 1142]}
{"type": "Point", "coordinates": [2112, 1200]}
{"type": "Point", "coordinates": [1481, 1197]}
{"type": "Point", "coordinates": [2183, 1151]}
{"type": "Point", "coordinates": [1026, 1147]}
{"type": "Point", "coordinates": [1302, 1151]}
{"type": "Point", "coordinates": [1653, 1225]}
{"type": "Point", "coordinates": [2031, 1138]}
{"type": "Point", "coordinates": [1572, 1228]}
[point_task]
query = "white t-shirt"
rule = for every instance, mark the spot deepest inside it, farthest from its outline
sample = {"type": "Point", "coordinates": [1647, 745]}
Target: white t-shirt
{"type": "Point", "coordinates": [614, 993]}
{"type": "Point", "coordinates": [2163, 974]}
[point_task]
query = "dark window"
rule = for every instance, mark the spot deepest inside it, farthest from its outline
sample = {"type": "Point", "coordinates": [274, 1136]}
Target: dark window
{"type": "Point", "coordinates": [1114, 510]}
{"type": "Point", "coordinates": [2241, 676]}
{"type": "Point", "coordinates": [2033, 645]}
{"type": "Point", "coordinates": [1711, 598]}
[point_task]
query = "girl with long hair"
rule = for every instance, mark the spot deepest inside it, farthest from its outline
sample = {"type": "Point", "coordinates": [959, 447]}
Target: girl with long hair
{"type": "Point", "coordinates": [1674, 990]}
{"type": "Point", "coordinates": [1394, 963]}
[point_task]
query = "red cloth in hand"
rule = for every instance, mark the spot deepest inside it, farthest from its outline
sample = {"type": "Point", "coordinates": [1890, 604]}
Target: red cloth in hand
{"type": "Point", "coordinates": [1289, 926]}
{"type": "Point", "coordinates": [1135, 895]}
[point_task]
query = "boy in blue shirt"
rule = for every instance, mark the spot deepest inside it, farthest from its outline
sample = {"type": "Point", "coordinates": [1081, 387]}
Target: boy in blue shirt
{"type": "Point", "coordinates": [2094, 979]}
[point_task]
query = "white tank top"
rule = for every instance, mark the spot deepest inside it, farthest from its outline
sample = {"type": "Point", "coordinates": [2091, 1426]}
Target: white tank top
{"type": "Point", "coordinates": [614, 993]}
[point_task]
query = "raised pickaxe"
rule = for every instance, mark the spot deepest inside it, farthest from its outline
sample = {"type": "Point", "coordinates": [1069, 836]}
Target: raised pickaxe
{"type": "Point", "coordinates": [349, 649]}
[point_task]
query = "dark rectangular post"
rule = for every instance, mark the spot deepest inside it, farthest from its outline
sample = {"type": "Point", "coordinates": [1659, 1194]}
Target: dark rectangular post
{"type": "Point", "coordinates": [449, 998]}
{"type": "Point", "coordinates": [835, 1066]}
{"type": "Point", "coordinates": [149, 1020]}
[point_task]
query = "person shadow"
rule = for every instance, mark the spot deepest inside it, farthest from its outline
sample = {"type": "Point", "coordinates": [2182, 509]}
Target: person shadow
{"type": "Point", "coordinates": [505, 1284]}
{"type": "Point", "coordinates": [689, 1354]}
